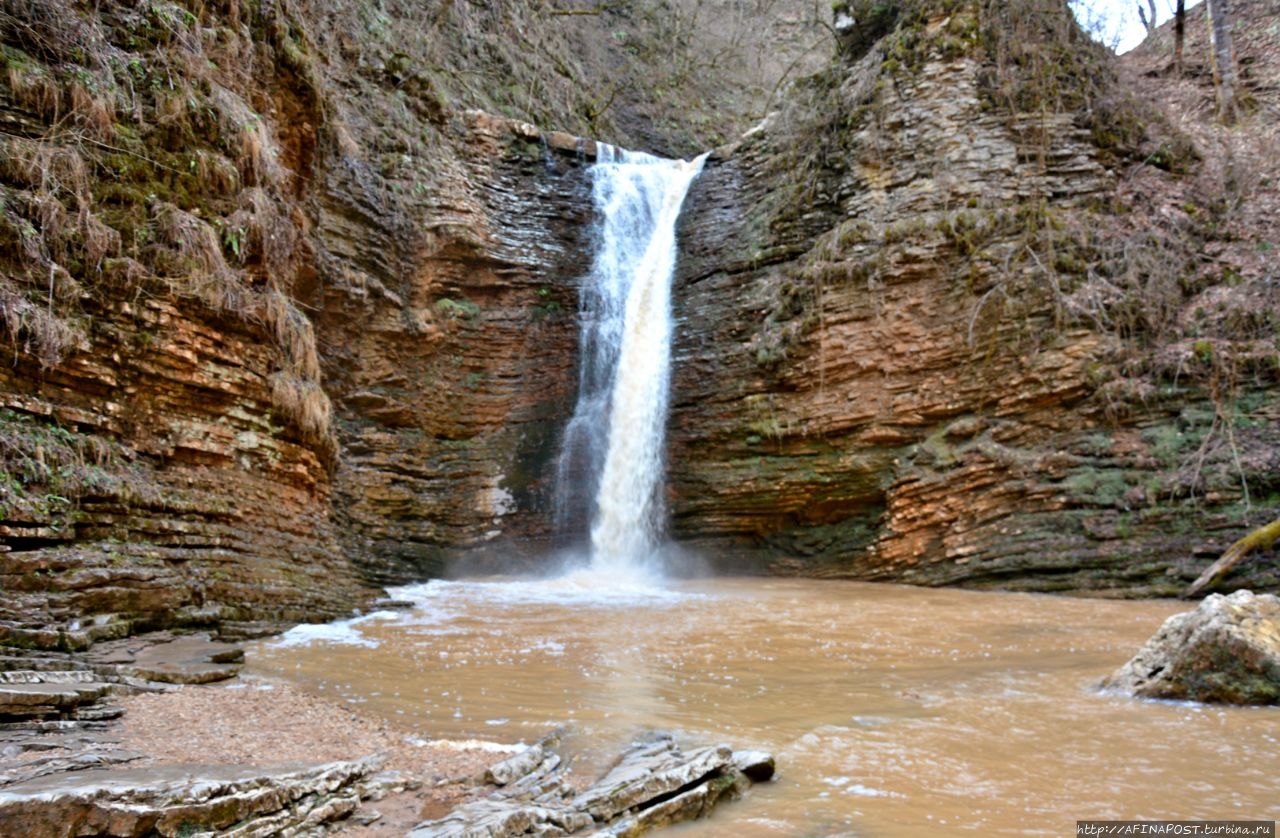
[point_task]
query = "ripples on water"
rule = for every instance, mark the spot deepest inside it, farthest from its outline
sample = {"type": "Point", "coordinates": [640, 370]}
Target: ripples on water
{"type": "Point", "coordinates": [893, 711]}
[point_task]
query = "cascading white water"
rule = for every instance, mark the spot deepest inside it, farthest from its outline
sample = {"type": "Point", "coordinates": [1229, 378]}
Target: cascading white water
{"type": "Point", "coordinates": [613, 446]}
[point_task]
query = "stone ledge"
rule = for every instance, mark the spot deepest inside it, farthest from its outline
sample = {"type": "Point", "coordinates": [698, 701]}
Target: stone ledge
{"type": "Point", "coordinates": [654, 784]}
{"type": "Point", "coordinates": [560, 141]}
{"type": "Point", "coordinates": [169, 801]}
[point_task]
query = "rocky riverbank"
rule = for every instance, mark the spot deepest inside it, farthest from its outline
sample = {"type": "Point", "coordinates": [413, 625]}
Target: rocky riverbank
{"type": "Point", "coordinates": [159, 735]}
{"type": "Point", "coordinates": [163, 725]}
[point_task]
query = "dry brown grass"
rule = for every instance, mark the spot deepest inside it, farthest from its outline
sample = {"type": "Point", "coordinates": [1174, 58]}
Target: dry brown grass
{"type": "Point", "coordinates": [52, 31]}
{"type": "Point", "coordinates": [99, 241]}
{"type": "Point", "coordinates": [46, 165]}
{"type": "Point", "coordinates": [34, 89]}
{"type": "Point", "coordinates": [306, 404]}
{"type": "Point", "coordinates": [261, 233]}
{"type": "Point", "coordinates": [91, 109]}
{"type": "Point", "coordinates": [216, 172]}
{"type": "Point", "coordinates": [293, 334]}
{"type": "Point", "coordinates": [245, 138]}
{"type": "Point", "coordinates": [198, 267]}
{"type": "Point", "coordinates": [35, 330]}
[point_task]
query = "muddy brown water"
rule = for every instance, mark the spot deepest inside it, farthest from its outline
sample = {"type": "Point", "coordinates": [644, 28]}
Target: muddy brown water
{"type": "Point", "coordinates": [892, 711]}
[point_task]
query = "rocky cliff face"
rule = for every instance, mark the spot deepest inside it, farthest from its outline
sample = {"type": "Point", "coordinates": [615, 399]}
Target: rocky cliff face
{"type": "Point", "coordinates": [186, 199]}
{"type": "Point", "coordinates": [452, 389]}
{"type": "Point", "coordinates": [946, 319]}
{"type": "Point", "coordinates": [167, 449]}
{"type": "Point", "coordinates": [285, 317]}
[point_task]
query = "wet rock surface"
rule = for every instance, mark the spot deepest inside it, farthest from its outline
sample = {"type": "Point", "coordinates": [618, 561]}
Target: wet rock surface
{"type": "Point", "coordinates": [73, 763]}
{"type": "Point", "coordinates": [652, 785]}
{"type": "Point", "coordinates": [171, 659]}
{"type": "Point", "coordinates": [1226, 651]}
{"type": "Point", "coordinates": [457, 372]}
{"type": "Point", "coordinates": [169, 801]}
{"type": "Point", "coordinates": [55, 709]}
{"type": "Point", "coordinates": [879, 376]}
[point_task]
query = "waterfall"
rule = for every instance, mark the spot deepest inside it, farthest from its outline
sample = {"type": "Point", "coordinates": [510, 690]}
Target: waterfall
{"type": "Point", "coordinates": [611, 459]}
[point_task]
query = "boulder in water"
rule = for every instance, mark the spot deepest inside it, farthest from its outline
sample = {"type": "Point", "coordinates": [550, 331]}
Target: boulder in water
{"type": "Point", "coordinates": [1226, 651]}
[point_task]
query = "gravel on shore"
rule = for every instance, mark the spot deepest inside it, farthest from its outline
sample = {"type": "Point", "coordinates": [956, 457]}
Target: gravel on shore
{"type": "Point", "coordinates": [250, 722]}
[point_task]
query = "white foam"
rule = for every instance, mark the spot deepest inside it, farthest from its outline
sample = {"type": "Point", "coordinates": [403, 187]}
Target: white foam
{"type": "Point", "coordinates": [859, 790]}
{"type": "Point", "coordinates": [341, 632]}
{"type": "Point", "coordinates": [437, 601]}
{"type": "Point", "coordinates": [847, 786]}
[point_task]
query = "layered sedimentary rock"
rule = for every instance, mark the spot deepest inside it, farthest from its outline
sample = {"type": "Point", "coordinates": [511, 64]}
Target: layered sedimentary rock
{"type": "Point", "coordinates": [651, 785]}
{"type": "Point", "coordinates": [196, 505]}
{"type": "Point", "coordinates": [241, 221]}
{"type": "Point", "coordinates": [935, 329]}
{"type": "Point", "coordinates": [285, 318]}
{"type": "Point", "coordinates": [182, 799]}
{"type": "Point", "coordinates": [453, 386]}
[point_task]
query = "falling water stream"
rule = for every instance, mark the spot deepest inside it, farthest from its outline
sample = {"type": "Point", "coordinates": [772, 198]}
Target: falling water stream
{"type": "Point", "coordinates": [613, 445]}
{"type": "Point", "coordinates": [892, 711]}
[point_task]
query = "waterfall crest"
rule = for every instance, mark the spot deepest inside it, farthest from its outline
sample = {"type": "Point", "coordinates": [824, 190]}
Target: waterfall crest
{"type": "Point", "coordinates": [612, 457]}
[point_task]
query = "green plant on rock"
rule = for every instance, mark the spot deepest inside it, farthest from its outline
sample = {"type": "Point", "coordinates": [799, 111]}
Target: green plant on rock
{"type": "Point", "coordinates": [457, 309]}
{"type": "Point", "coordinates": [48, 469]}
{"type": "Point", "coordinates": [547, 305]}
{"type": "Point", "coordinates": [764, 420]}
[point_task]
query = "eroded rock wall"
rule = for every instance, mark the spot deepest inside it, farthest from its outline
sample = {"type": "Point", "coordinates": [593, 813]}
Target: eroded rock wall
{"type": "Point", "coordinates": [167, 445]}
{"type": "Point", "coordinates": [280, 322]}
{"type": "Point", "coordinates": [934, 328]}
{"type": "Point", "coordinates": [194, 503]}
{"type": "Point", "coordinates": [452, 388]}
{"type": "Point", "coordinates": [284, 317]}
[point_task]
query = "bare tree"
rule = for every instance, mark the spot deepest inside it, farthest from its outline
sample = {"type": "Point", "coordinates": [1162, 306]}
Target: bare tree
{"type": "Point", "coordinates": [1148, 16]}
{"type": "Point", "coordinates": [1225, 76]}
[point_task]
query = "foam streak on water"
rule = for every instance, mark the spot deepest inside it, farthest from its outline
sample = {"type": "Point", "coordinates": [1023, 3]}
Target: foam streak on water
{"type": "Point", "coordinates": [613, 446]}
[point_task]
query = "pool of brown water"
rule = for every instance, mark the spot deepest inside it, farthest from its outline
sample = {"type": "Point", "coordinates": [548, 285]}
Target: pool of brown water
{"type": "Point", "coordinates": [892, 711]}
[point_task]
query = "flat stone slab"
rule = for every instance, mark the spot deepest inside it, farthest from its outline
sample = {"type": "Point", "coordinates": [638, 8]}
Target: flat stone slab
{"type": "Point", "coordinates": [653, 785]}
{"type": "Point", "coordinates": [172, 800]}
{"type": "Point", "coordinates": [650, 773]}
{"type": "Point", "coordinates": [26, 699]}
{"type": "Point", "coordinates": [172, 659]}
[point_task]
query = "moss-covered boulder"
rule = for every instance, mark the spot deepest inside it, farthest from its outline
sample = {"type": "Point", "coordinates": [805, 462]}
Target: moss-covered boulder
{"type": "Point", "coordinates": [1226, 651]}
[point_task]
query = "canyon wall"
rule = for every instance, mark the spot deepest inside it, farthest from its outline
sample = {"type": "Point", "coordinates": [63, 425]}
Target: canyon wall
{"type": "Point", "coordinates": [958, 315]}
{"type": "Point", "coordinates": [278, 322]}
{"type": "Point", "coordinates": [288, 312]}
{"type": "Point", "coordinates": [286, 315]}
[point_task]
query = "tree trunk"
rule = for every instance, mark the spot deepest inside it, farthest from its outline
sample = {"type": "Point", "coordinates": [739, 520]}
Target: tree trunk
{"type": "Point", "coordinates": [1260, 539]}
{"type": "Point", "coordinates": [1179, 36]}
{"type": "Point", "coordinates": [1225, 77]}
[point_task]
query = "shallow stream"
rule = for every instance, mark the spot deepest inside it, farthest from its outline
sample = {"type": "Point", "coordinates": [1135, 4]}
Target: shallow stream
{"type": "Point", "coordinates": [892, 711]}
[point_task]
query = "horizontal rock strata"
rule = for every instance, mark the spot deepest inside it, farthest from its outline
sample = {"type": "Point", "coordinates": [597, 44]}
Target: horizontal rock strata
{"type": "Point", "coordinates": [652, 785]}
{"type": "Point", "coordinates": [174, 801]}
{"type": "Point", "coordinates": [895, 359]}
